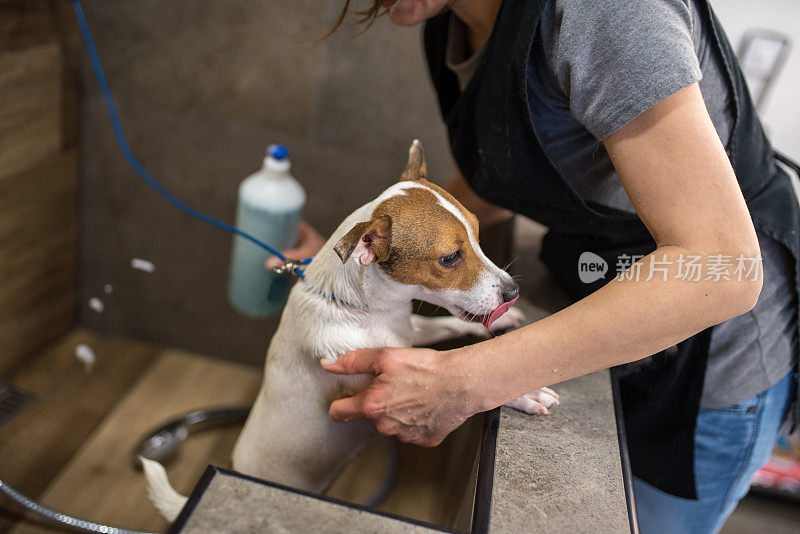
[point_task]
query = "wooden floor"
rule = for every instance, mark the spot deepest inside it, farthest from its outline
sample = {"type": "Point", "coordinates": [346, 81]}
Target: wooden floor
{"type": "Point", "coordinates": [72, 449]}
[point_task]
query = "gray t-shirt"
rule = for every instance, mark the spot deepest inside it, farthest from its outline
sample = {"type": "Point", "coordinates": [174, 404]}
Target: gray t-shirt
{"type": "Point", "coordinates": [597, 66]}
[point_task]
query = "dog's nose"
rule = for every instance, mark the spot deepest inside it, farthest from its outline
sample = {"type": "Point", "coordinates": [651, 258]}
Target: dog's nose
{"type": "Point", "coordinates": [511, 293]}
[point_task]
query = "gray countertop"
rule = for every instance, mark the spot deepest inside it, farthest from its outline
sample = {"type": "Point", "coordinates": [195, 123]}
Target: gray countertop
{"type": "Point", "coordinates": [561, 471]}
{"type": "Point", "coordinates": [558, 472]}
{"type": "Point", "coordinates": [564, 469]}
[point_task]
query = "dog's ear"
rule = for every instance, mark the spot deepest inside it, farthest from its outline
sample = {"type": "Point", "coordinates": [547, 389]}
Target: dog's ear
{"type": "Point", "coordinates": [415, 168]}
{"type": "Point", "coordinates": [367, 241]}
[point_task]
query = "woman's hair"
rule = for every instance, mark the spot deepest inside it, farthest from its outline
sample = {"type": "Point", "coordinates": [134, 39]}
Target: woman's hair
{"type": "Point", "coordinates": [365, 16]}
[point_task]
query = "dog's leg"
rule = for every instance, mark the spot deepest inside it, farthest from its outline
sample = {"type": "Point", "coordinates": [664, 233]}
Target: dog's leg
{"type": "Point", "coordinates": [536, 402]}
{"type": "Point", "coordinates": [290, 439]}
{"type": "Point", "coordinates": [428, 330]}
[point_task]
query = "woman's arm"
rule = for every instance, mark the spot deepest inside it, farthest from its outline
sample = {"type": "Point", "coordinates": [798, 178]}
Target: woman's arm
{"type": "Point", "coordinates": [679, 179]}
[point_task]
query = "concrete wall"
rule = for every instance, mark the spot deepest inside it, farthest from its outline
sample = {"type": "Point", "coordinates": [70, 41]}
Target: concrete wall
{"type": "Point", "coordinates": [202, 87]}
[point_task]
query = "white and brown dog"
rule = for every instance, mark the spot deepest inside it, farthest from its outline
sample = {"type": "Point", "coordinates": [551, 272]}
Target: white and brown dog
{"type": "Point", "coordinates": [415, 241]}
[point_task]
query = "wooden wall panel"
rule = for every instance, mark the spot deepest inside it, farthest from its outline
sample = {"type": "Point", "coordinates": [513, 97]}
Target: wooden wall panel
{"type": "Point", "coordinates": [30, 117]}
{"type": "Point", "coordinates": [38, 184]}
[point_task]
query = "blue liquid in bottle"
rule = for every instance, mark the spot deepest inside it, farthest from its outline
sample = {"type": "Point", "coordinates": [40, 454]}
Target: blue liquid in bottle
{"type": "Point", "coordinates": [270, 205]}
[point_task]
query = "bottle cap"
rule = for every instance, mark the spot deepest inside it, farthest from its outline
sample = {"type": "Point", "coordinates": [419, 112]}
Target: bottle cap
{"type": "Point", "coordinates": [278, 152]}
{"type": "Point", "coordinates": [277, 158]}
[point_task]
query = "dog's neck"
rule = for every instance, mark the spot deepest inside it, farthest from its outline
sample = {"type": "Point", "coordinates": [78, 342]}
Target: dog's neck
{"type": "Point", "coordinates": [351, 284]}
{"type": "Point", "coordinates": [327, 277]}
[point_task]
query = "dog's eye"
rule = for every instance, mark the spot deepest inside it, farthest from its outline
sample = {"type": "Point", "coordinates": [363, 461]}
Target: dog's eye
{"type": "Point", "coordinates": [451, 259]}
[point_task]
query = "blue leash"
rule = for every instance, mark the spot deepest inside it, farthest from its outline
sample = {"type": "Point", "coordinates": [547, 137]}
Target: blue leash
{"type": "Point", "coordinates": [143, 174]}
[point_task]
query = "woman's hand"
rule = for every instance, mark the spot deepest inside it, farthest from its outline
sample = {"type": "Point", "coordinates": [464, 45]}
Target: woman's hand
{"type": "Point", "coordinates": [309, 242]}
{"type": "Point", "coordinates": [418, 395]}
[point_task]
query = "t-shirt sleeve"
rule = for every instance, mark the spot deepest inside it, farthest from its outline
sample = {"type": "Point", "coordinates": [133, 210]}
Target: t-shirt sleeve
{"type": "Point", "coordinates": [614, 59]}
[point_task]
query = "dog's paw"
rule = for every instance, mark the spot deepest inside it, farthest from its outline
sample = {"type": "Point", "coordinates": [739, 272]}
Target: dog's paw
{"type": "Point", "coordinates": [536, 402]}
{"type": "Point", "coordinates": [510, 320]}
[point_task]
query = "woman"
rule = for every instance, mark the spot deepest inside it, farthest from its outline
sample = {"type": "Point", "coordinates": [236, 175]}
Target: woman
{"type": "Point", "coordinates": [609, 123]}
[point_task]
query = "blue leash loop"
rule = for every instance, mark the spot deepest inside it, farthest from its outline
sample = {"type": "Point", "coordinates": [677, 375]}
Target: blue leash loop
{"type": "Point", "coordinates": [143, 174]}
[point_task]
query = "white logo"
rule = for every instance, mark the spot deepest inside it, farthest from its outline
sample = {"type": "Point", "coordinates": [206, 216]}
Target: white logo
{"type": "Point", "coordinates": [591, 267]}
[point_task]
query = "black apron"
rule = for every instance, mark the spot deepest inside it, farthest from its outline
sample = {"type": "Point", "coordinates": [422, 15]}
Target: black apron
{"type": "Point", "coordinates": [495, 144]}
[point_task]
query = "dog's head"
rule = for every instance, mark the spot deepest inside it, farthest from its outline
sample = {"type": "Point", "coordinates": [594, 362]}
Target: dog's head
{"type": "Point", "coordinates": [425, 244]}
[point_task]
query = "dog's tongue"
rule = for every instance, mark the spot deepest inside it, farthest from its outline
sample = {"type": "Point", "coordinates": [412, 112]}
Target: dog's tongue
{"type": "Point", "coordinates": [487, 320]}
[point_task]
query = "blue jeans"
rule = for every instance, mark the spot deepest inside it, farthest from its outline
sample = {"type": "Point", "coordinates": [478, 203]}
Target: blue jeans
{"type": "Point", "coordinates": [731, 444]}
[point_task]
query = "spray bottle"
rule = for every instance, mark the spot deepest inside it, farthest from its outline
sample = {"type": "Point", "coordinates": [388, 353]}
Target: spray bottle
{"type": "Point", "coordinates": [269, 206]}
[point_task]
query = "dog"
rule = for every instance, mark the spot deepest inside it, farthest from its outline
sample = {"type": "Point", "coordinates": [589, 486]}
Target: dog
{"type": "Point", "coordinates": [414, 241]}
